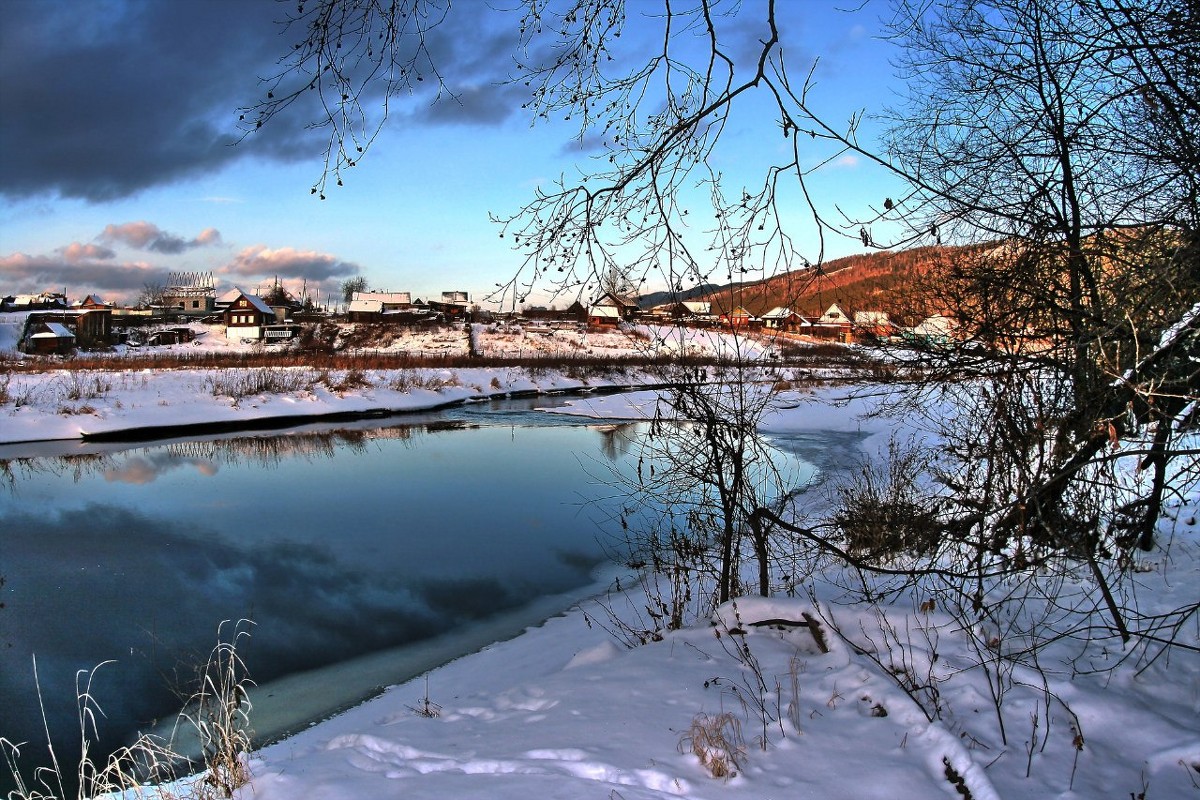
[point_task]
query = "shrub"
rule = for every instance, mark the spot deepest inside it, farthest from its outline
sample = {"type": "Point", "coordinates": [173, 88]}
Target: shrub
{"type": "Point", "coordinates": [221, 716]}
{"type": "Point", "coordinates": [881, 512]}
{"type": "Point", "coordinates": [717, 742]}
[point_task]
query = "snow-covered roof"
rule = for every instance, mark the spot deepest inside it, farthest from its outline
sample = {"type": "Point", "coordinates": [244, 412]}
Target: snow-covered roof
{"type": "Point", "coordinates": [936, 325]}
{"type": "Point", "coordinates": [365, 306]}
{"type": "Point", "coordinates": [387, 298]}
{"type": "Point", "coordinates": [53, 330]}
{"type": "Point", "coordinates": [612, 299]}
{"type": "Point", "coordinates": [833, 315]}
{"type": "Point", "coordinates": [779, 312]}
{"type": "Point", "coordinates": [870, 318]}
{"type": "Point", "coordinates": [256, 301]}
{"type": "Point", "coordinates": [605, 312]}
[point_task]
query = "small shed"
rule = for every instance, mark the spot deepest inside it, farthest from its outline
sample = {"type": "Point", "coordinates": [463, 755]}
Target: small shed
{"type": "Point", "coordinates": [49, 338]}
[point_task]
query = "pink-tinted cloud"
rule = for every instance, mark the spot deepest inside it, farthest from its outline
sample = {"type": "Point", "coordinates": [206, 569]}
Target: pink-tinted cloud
{"type": "Point", "coordinates": [76, 252]}
{"type": "Point", "coordinates": [144, 235]}
{"type": "Point", "coordinates": [260, 261]}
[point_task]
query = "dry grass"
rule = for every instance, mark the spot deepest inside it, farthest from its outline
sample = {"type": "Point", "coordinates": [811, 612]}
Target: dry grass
{"type": "Point", "coordinates": [218, 716]}
{"type": "Point", "coordinates": [221, 717]}
{"type": "Point", "coordinates": [717, 741]}
{"type": "Point", "coordinates": [237, 384]}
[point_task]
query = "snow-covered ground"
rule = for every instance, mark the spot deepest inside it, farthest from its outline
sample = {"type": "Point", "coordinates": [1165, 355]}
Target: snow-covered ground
{"type": "Point", "coordinates": [567, 710]}
{"type": "Point", "coordinates": [68, 404]}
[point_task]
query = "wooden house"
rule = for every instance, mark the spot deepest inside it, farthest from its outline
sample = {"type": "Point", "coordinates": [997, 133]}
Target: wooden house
{"type": "Point", "coordinates": [611, 308]}
{"type": "Point", "coordinates": [89, 327]}
{"type": "Point", "coordinates": [604, 315]}
{"type": "Point", "coordinates": [739, 317]}
{"type": "Point", "coordinates": [872, 325]}
{"type": "Point", "coordinates": [247, 316]}
{"type": "Point", "coordinates": [833, 324]}
{"type": "Point", "coordinates": [932, 331]}
{"type": "Point", "coordinates": [577, 311]}
{"type": "Point", "coordinates": [778, 318]}
{"type": "Point", "coordinates": [692, 311]}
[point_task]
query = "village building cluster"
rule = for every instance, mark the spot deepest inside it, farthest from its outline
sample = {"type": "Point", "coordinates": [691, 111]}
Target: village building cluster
{"type": "Point", "coordinates": [833, 324]}
{"type": "Point", "coordinates": [55, 326]}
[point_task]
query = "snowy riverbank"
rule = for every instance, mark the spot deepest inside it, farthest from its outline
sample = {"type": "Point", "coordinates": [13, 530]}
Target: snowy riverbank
{"type": "Point", "coordinates": [567, 710]}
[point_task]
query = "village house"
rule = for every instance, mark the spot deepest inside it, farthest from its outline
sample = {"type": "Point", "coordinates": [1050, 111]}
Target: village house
{"type": "Point", "coordinates": [192, 294]}
{"type": "Point", "coordinates": [688, 311]}
{"type": "Point", "coordinates": [932, 331]}
{"type": "Point", "coordinates": [873, 325]}
{"type": "Point", "coordinates": [778, 318]}
{"type": "Point", "coordinates": [739, 317]}
{"type": "Point", "coordinates": [90, 326]}
{"type": "Point", "coordinates": [453, 307]}
{"type": "Point", "coordinates": [833, 324]}
{"type": "Point", "coordinates": [247, 316]}
{"type": "Point", "coordinates": [398, 308]}
{"type": "Point", "coordinates": [34, 302]}
{"type": "Point", "coordinates": [48, 338]}
{"type": "Point", "coordinates": [611, 309]}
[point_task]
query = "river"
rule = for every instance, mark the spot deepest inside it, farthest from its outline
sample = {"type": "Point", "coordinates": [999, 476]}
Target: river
{"type": "Point", "coordinates": [364, 555]}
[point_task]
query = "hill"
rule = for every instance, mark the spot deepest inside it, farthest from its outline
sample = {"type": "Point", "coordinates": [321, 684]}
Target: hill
{"type": "Point", "coordinates": [659, 298]}
{"type": "Point", "coordinates": [878, 281]}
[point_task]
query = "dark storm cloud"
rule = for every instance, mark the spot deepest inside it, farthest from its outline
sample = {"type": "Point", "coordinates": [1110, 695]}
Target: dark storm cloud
{"type": "Point", "coordinates": [102, 100]}
{"type": "Point", "coordinates": [148, 236]}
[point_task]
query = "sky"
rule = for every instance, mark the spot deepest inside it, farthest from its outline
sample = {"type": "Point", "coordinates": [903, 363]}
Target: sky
{"type": "Point", "coordinates": [122, 161]}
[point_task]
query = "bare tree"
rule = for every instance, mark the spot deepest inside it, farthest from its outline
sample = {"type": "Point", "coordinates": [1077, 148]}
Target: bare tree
{"type": "Point", "coordinates": [654, 205]}
{"type": "Point", "coordinates": [152, 294]}
{"type": "Point", "coordinates": [1052, 142]}
{"type": "Point", "coordinates": [352, 286]}
{"type": "Point", "coordinates": [1028, 131]}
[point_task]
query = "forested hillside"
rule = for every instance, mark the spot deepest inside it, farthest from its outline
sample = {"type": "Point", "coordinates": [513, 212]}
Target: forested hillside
{"type": "Point", "coordinates": [876, 281]}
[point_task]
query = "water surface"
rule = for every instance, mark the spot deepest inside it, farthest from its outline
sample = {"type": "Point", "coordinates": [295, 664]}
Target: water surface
{"type": "Point", "coordinates": [342, 545]}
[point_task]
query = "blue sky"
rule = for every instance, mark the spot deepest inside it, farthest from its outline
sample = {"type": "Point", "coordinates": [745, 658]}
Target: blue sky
{"type": "Point", "coordinates": [117, 119]}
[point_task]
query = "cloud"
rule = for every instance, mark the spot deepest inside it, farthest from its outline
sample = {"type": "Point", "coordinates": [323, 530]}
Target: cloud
{"type": "Point", "coordinates": [52, 559]}
{"type": "Point", "coordinates": [142, 470]}
{"type": "Point", "coordinates": [98, 267]}
{"type": "Point", "coordinates": [148, 236]}
{"type": "Point", "coordinates": [286, 262]}
{"type": "Point", "coordinates": [20, 272]}
{"type": "Point", "coordinates": [76, 252]}
{"type": "Point", "coordinates": [104, 100]}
